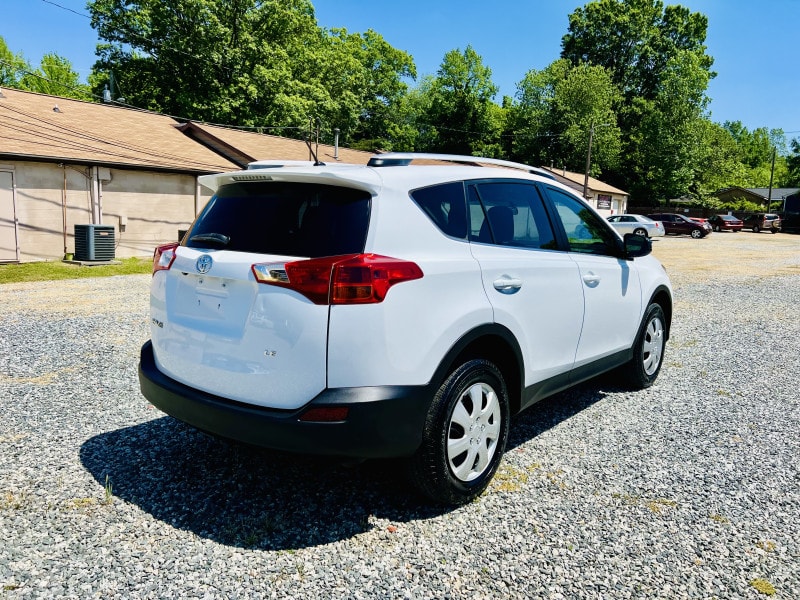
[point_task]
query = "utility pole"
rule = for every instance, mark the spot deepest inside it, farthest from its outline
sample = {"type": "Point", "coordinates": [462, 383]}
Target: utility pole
{"type": "Point", "coordinates": [771, 173]}
{"type": "Point", "coordinates": [588, 163]}
{"type": "Point", "coordinates": [589, 159]}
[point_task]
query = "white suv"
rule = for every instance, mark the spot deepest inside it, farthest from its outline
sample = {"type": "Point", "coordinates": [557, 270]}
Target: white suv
{"type": "Point", "coordinates": [396, 310]}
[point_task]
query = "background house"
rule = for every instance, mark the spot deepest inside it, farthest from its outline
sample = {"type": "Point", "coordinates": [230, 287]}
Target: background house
{"type": "Point", "coordinates": [607, 199]}
{"type": "Point", "coordinates": [772, 200]}
{"type": "Point", "coordinates": [65, 162]}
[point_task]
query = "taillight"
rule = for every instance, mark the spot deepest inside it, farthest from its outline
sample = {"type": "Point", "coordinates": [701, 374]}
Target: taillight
{"type": "Point", "coordinates": [349, 279]}
{"type": "Point", "coordinates": [163, 257]}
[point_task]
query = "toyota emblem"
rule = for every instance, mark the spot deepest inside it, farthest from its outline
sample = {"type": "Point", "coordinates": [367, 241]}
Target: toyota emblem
{"type": "Point", "coordinates": [204, 263]}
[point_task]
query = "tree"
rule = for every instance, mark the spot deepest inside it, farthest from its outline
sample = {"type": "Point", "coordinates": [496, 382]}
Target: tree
{"type": "Point", "coordinates": [257, 63]}
{"type": "Point", "coordinates": [56, 77]}
{"type": "Point", "coordinates": [12, 66]}
{"type": "Point", "coordinates": [377, 75]}
{"type": "Point", "coordinates": [793, 165]}
{"type": "Point", "coordinates": [656, 56]}
{"type": "Point", "coordinates": [459, 115]}
{"type": "Point", "coordinates": [634, 40]}
{"type": "Point", "coordinates": [558, 109]}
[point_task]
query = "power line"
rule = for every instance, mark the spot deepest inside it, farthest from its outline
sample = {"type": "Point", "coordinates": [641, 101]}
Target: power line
{"type": "Point", "coordinates": [80, 14]}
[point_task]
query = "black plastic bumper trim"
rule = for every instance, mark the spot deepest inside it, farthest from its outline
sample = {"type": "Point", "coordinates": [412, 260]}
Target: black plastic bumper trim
{"type": "Point", "coordinates": [382, 422]}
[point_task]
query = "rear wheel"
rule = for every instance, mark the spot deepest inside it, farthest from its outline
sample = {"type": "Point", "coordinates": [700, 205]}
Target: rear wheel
{"type": "Point", "coordinates": [648, 350]}
{"type": "Point", "coordinates": [465, 434]}
{"type": "Point", "coordinates": [640, 231]}
{"type": "Point", "coordinates": [756, 228]}
{"type": "Point", "coordinates": [774, 230]}
{"type": "Point", "coordinates": [717, 228]}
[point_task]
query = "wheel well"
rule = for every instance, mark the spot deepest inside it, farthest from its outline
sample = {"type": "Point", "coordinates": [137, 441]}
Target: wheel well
{"type": "Point", "coordinates": [496, 349]}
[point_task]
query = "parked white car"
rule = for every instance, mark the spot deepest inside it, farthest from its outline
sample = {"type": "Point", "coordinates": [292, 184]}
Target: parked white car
{"type": "Point", "coordinates": [638, 224]}
{"type": "Point", "coordinates": [396, 310]}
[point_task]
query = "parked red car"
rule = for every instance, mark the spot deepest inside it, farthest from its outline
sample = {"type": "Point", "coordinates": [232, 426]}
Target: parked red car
{"type": "Point", "coordinates": [726, 223]}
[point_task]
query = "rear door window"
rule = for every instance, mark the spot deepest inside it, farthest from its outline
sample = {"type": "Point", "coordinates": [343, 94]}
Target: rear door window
{"type": "Point", "coordinates": [284, 218]}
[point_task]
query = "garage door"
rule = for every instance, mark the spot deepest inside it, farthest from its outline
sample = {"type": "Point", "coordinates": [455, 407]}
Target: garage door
{"type": "Point", "coordinates": [8, 229]}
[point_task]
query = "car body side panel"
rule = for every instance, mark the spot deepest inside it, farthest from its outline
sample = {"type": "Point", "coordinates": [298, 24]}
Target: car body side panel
{"type": "Point", "coordinates": [613, 306]}
{"type": "Point", "coordinates": [547, 306]}
{"type": "Point", "coordinates": [401, 340]}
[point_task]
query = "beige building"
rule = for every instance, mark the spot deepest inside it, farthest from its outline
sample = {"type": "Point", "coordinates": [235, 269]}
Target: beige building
{"type": "Point", "coordinates": [607, 199]}
{"type": "Point", "coordinates": [65, 162]}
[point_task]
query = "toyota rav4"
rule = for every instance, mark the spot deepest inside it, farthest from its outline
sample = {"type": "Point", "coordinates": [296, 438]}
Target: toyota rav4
{"type": "Point", "coordinates": [396, 309]}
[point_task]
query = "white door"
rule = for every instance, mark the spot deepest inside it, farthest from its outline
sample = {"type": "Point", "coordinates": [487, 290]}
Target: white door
{"type": "Point", "coordinates": [8, 220]}
{"type": "Point", "coordinates": [611, 285]}
{"type": "Point", "coordinates": [535, 290]}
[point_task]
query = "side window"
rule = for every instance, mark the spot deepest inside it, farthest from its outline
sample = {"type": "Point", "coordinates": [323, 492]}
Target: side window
{"type": "Point", "coordinates": [509, 214]}
{"type": "Point", "coordinates": [586, 232]}
{"type": "Point", "coordinates": [446, 207]}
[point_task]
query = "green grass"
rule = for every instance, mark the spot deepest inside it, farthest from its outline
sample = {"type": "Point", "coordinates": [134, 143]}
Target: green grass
{"type": "Point", "coordinates": [50, 271]}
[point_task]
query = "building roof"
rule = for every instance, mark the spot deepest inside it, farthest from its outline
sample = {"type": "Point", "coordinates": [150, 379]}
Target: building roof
{"type": "Point", "coordinates": [575, 181]}
{"type": "Point", "coordinates": [776, 192]}
{"type": "Point", "coordinates": [41, 127]}
{"type": "Point", "coordinates": [243, 147]}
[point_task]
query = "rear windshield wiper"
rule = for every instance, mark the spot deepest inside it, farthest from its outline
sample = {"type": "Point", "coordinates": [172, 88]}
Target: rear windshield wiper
{"type": "Point", "coordinates": [214, 238]}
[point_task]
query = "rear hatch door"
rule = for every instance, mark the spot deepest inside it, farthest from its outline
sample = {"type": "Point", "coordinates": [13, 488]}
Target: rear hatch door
{"type": "Point", "coordinates": [215, 328]}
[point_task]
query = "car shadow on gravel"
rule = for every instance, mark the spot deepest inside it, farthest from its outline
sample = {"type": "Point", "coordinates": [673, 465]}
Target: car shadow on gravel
{"type": "Point", "coordinates": [250, 497]}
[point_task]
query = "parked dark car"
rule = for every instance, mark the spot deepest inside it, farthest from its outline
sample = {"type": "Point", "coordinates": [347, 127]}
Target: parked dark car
{"type": "Point", "coordinates": [725, 223]}
{"type": "Point", "coordinates": [763, 222]}
{"type": "Point", "coordinates": [678, 224]}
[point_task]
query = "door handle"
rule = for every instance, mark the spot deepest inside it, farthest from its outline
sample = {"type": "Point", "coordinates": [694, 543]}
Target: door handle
{"type": "Point", "coordinates": [591, 279]}
{"type": "Point", "coordinates": [507, 285]}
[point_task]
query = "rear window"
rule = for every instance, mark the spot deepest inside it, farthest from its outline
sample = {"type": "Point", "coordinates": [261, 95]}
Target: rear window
{"type": "Point", "coordinates": [291, 219]}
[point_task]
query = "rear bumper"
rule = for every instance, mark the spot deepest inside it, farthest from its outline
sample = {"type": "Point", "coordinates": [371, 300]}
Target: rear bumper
{"type": "Point", "coordinates": [382, 422]}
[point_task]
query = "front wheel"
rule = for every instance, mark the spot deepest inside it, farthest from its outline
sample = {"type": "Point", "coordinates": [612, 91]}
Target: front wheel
{"type": "Point", "coordinates": [697, 234]}
{"type": "Point", "coordinates": [465, 435]}
{"type": "Point", "coordinates": [648, 350]}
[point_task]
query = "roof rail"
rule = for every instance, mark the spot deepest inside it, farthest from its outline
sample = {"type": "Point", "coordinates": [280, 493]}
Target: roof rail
{"type": "Point", "coordinates": [274, 164]}
{"type": "Point", "coordinates": [402, 159]}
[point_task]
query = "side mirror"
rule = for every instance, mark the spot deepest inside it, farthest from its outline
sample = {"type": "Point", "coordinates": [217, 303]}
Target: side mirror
{"type": "Point", "coordinates": [636, 246]}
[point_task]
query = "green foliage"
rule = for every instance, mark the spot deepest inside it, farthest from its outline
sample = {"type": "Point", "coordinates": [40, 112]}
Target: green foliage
{"type": "Point", "coordinates": [656, 57]}
{"type": "Point", "coordinates": [54, 76]}
{"type": "Point", "coordinates": [458, 115]}
{"type": "Point", "coordinates": [634, 40]}
{"type": "Point", "coordinates": [556, 111]}
{"type": "Point", "coordinates": [249, 63]}
{"type": "Point", "coordinates": [793, 166]}
{"type": "Point", "coordinates": [52, 271]}
{"type": "Point", "coordinates": [12, 66]}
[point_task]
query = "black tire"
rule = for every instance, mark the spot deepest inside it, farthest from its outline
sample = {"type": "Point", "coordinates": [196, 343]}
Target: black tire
{"type": "Point", "coordinates": [774, 230]}
{"type": "Point", "coordinates": [756, 228]}
{"type": "Point", "coordinates": [697, 234]}
{"type": "Point", "coordinates": [648, 351]}
{"type": "Point", "coordinates": [640, 231]}
{"type": "Point", "coordinates": [717, 228]}
{"type": "Point", "coordinates": [440, 469]}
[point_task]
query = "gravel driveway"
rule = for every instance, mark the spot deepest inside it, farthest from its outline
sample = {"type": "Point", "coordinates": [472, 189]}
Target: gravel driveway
{"type": "Point", "coordinates": [689, 489]}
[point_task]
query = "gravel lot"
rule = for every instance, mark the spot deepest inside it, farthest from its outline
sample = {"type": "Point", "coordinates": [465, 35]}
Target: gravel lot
{"type": "Point", "coordinates": [690, 489]}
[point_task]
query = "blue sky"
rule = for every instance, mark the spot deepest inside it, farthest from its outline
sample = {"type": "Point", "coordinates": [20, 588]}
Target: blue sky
{"type": "Point", "coordinates": [754, 43]}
